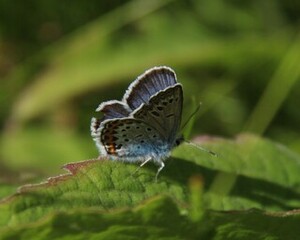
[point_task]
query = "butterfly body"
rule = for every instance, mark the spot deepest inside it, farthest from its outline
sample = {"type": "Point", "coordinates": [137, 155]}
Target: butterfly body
{"type": "Point", "coordinates": [144, 125]}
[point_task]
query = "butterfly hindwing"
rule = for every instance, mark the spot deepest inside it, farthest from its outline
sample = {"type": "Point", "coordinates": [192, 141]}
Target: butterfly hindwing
{"type": "Point", "coordinates": [129, 138]}
{"type": "Point", "coordinates": [114, 109]}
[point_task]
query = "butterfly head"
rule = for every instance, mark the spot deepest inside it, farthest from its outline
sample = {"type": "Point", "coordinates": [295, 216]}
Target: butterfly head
{"type": "Point", "coordinates": [179, 140]}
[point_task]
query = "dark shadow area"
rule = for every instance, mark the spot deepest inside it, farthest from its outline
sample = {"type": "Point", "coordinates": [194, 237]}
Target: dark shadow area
{"type": "Point", "coordinates": [266, 193]}
{"type": "Point", "coordinates": [261, 191]}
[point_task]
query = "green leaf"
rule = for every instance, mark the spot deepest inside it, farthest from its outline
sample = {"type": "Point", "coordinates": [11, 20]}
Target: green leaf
{"type": "Point", "coordinates": [252, 224]}
{"type": "Point", "coordinates": [249, 172]}
{"type": "Point", "coordinates": [150, 219]}
{"type": "Point", "coordinates": [6, 189]}
{"type": "Point", "coordinates": [102, 185]}
{"type": "Point", "coordinates": [159, 218]}
{"type": "Point", "coordinates": [107, 199]}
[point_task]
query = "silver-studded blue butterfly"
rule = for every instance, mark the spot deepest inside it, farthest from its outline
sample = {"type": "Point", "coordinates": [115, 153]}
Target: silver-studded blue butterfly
{"type": "Point", "coordinates": [143, 126]}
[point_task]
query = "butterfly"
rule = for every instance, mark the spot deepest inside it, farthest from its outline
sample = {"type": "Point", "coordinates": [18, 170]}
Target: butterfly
{"type": "Point", "coordinates": [144, 125]}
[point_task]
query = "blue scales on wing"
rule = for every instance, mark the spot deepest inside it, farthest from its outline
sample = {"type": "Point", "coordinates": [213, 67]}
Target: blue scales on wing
{"type": "Point", "coordinates": [131, 140]}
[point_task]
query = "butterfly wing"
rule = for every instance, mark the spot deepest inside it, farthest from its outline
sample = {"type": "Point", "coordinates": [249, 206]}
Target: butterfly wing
{"type": "Point", "coordinates": [148, 84]}
{"type": "Point", "coordinates": [114, 109]}
{"type": "Point", "coordinates": [139, 92]}
{"type": "Point", "coordinates": [128, 139]}
{"type": "Point", "coordinates": [163, 112]}
{"type": "Point", "coordinates": [145, 123]}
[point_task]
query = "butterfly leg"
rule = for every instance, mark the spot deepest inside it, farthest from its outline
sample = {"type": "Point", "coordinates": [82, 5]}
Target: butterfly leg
{"type": "Point", "coordinates": [141, 165]}
{"type": "Point", "coordinates": [162, 165]}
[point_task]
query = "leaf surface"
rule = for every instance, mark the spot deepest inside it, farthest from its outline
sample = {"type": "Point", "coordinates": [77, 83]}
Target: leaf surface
{"type": "Point", "coordinates": [246, 175]}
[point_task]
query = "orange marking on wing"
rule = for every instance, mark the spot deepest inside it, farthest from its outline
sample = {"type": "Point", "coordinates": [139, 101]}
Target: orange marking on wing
{"type": "Point", "coordinates": [111, 149]}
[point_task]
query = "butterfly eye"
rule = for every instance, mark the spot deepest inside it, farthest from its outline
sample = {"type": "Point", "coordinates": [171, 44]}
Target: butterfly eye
{"type": "Point", "coordinates": [179, 140]}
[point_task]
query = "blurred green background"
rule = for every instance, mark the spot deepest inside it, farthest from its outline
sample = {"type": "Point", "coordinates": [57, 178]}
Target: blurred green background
{"type": "Point", "coordinates": [60, 59]}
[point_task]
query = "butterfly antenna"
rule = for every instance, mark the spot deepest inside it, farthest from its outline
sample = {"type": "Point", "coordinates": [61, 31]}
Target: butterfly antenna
{"type": "Point", "coordinates": [191, 116]}
{"type": "Point", "coordinates": [191, 143]}
{"type": "Point", "coordinates": [201, 148]}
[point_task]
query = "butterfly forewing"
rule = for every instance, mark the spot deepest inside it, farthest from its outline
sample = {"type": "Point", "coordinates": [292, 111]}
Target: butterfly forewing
{"type": "Point", "coordinates": [163, 112]}
{"type": "Point", "coordinates": [148, 84]}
